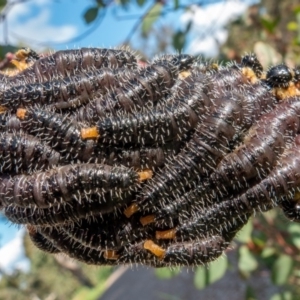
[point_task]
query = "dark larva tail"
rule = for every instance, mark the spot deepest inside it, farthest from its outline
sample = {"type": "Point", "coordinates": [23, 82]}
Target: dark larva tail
{"type": "Point", "coordinates": [75, 210]}
{"type": "Point", "coordinates": [74, 249]}
{"type": "Point", "coordinates": [58, 131]}
{"type": "Point", "coordinates": [44, 189]}
{"type": "Point", "coordinates": [40, 241]}
{"type": "Point", "coordinates": [229, 115]}
{"type": "Point", "coordinates": [24, 153]}
{"type": "Point", "coordinates": [266, 140]}
{"type": "Point", "coordinates": [138, 158]}
{"type": "Point", "coordinates": [70, 62]}
{"type": "Point", "coordinates": [68, 92]}
{"type": "Point", "coordinates": [143, 88]}
{"type": "Point", "coordinates": [148, 126]}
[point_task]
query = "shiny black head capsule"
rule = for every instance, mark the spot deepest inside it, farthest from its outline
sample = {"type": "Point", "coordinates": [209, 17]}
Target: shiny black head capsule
{"type": "Point", "coordinates": [279, 76]}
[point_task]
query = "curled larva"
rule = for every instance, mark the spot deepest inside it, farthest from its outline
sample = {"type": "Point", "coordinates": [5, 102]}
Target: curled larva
{"type": "Point", "coordinates": [58, 131]}
{"type": "Point", "coordinates": [83, 206]}
{"type": "Point", "coordinates": [20, 152]}
{"type": "Point", "coordinates": [71, 91]}
{"type": "Point", "coordinates": [40, 241]}
{"type": "Point", "coordinates": [98, 233]}
{"type": "Point", "coordinates": [159, 125]}
{"type": "Point", "coordinates": [145, 87]}
{"type": "Point", "coordinates": [227, 117]}
{"type": "Point", "coordinates": [255, 158]}
{"type": "Point", "coordinates": [76, 250]}
{"type": "Point", "coordinates": [283, 181]}
{"type": "Point", "coordinates": [45, 189]}
{"type": "Point", "coordinates": [138, 158]}
{"type": "Point", "coordinates": [195, 252]}
{"type": "Point", "coordinates": [70, 62]}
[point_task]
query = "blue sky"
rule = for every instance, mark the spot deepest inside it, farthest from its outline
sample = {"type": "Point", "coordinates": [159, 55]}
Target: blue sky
{"type": "Point", "coordinates": [54, 22]}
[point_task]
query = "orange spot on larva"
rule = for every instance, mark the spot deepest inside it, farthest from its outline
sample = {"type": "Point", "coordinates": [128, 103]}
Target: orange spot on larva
{"type": "Point", "coordinates": [130, 210]}
{"type": "Point", "coordinates": [89, 133]}
{"type": "Point", "coordinates": [147, 220]}
{"type": "Point", "coordinates": [166, 234]}
{"type": "Point", "coordinates": [155, 249]}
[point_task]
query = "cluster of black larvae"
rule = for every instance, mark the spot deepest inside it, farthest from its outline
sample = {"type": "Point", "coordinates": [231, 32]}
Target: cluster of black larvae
{"type": "Point", "coordinates": [113, 163]}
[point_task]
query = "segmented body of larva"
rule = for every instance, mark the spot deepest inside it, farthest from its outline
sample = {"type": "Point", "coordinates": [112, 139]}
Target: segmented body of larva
{"type": "Point", "coordinates": [82, 133]}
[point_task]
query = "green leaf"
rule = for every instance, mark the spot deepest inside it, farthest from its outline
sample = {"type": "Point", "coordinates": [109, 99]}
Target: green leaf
{"type": "Point", "coordinates": [267, 252]}
{"type": "Point", "coordinates": [179, 40]}
{"type": "Point", "coordinates": [282, 269]}
{"type": "Point", "coordinates": [247, 261]}
{"type": "Point", "coordinates": [140, 2]}
{"type": "Point", "coordinates": [244, 236]}
{"type": "Point", "coordinates": [206, 276]}
{"type": "Point", "coordinates": [250, 295]}
{"type": "Point", "coordinates": [269, 25]}
{"type": "Point", "coordinates": [282, 296]}
{"type": "Point", "coordinates": [91, 14]}
{"type": "Point", "coordinates": [2, 4]}
{"type": "Point", "coordinates": [167, 273]}
{"type": "Point", "coordinates": [294, 230]}
{"type": "Point", "coordinates": [150, 19]}
{"type": "Point", "coordinates": [297, 10]}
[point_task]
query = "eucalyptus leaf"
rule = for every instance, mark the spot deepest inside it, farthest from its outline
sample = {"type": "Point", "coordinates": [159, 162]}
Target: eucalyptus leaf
{"type": "Point", "coordinates": [150, 19]}
{"type": "Point", "coordinates": [214, 272]}
{"type": "Point", "coordinates": [91, 14]}
{"type": "Point", "coordinates": [282, 269]}
{"type": "Point", "coordinates": [247, 262]}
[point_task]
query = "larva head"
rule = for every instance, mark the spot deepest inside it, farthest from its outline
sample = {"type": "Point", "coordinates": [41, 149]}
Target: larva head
{"type": "Point", "coordinates": [253, 63]}
{"type": "Point", "coordinates": [182, 61]}
{"type": "Point", "coordinates": [279, 76]}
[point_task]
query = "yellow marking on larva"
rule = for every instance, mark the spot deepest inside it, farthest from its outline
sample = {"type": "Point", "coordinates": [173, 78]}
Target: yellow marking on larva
{"type": "Point", "coordinates": [285, 93]}
{"type": "Point", "coordinates": [130, 210]}
{"type": "Point", "coordinates": [249, 73]}
{"type": "Point", "coordinates": [166, 234]}
{"type": "Point", "coordinates": [90, 133]}
{"type": "Point", "coordinates": [110, 254]}
{"type": "Point", "coordinates": [155, 249]}
{"type": "Point", "coordinates": [21, 112]}
{"type": "Point", "coordinates": [146, 174]}
{"type": "Point", "coordinates": [297, 197]}
{"type": "Point", "coordinates": [2, 109]}
{"type": "Point", "coordinates": [147, 220]}
{"type": "Point", "coordinates": [184, 74]}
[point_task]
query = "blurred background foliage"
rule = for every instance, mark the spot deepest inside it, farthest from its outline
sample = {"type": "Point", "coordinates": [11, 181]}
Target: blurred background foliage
{"type": "Point", "coordinates": [269, 28]}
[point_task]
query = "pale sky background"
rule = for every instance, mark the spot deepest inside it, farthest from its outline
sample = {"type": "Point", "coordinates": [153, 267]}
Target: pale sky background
{"type": "Point", "coordinates": [50, 23]}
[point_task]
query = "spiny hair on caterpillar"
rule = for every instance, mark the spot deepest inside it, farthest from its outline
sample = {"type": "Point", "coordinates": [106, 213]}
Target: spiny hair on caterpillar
{"type": "Point", "coordinates": [58, 131]}
{"type": "Point", "coordinates": [63, 93]}
{"type": "Point", "coordinates": [44, 189]}
{"type": "Point", "coordinates": [140, 158]}
{"type": "Point", "coordinates": [261, 147]}
{"type": "Point", "coordinates": [69, 212]}
{"type": "Point", "coordinates": [147, 126]}
{"type": "Point", "coordinates": [20, 152]}
{"type": "Point", "coordinates": [202, 153]}
{"type": "Point", "coordinates": [74, 249]}
{"type": "Point", "coordinates": [70, 62]}
{"type": "Point", "coordinates": [40, 241]}
{"type": "Point", "coordinates": [144, 87]}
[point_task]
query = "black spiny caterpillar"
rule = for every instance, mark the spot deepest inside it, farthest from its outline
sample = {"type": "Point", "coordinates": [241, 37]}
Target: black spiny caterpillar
{"type": "Point", "coordinates": [113, 163]}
